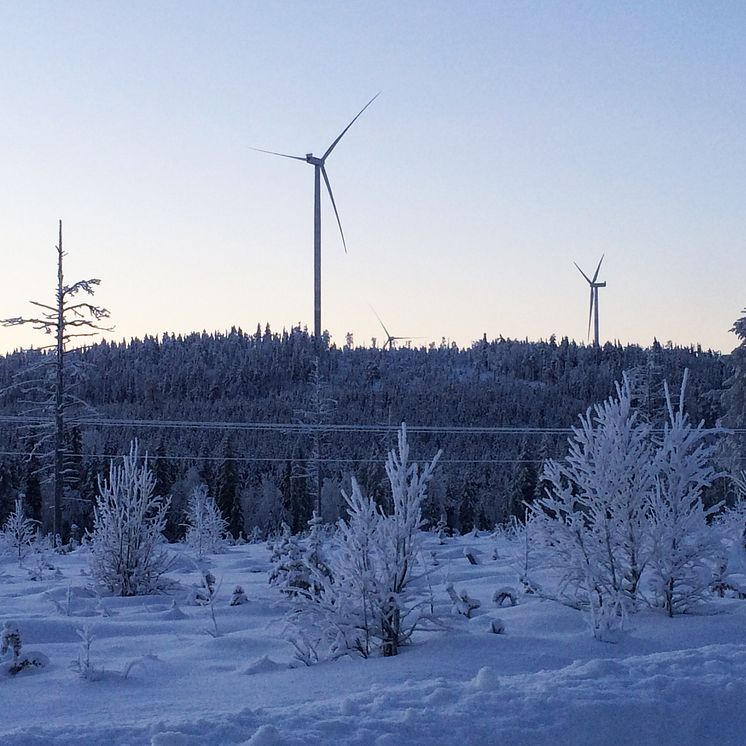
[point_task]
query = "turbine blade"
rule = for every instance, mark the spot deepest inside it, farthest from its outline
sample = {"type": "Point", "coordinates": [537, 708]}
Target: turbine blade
{"type": "Point", "coordinates": [283, 155]}
{"type": "Point", "coordinates": [386, 331]}
{"type": "Point", "coordinates": [334, 205]}
{"type": "Point", "coordinates": [590, 314]}
{"type": "Point", "coordinates": [599, 267]}
{"type": "Point", "coordinates": [582, 273]}
{"type": "Point", "coordinates": [341, 134]}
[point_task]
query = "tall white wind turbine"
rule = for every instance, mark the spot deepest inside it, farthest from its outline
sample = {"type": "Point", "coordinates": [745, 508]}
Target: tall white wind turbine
{"type": "Point", "coordinates": [319, 166]}
{"type": "Point", "coordinates": [593, 310]}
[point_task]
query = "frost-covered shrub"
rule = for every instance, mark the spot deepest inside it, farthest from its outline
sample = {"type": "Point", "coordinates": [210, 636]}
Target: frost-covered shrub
{"type": "Point", "coordinates": [626, 504]}
{"type": "Point", "coordinates": [687, 553]}
{"type": "Point", "coordinates": [402, 543]}
{"type": "Point", "coordinates": [206, 527]}
{"type": "Point", "coordinates": [298, 563]}
{"type": "Point", "coordinates": [592, 520]}
{"type": "Point", "coordinates": [361, 598]}
{"type": "Point", "coordinates": [315, 554]}
{"type": "Point", "coordinates": [289, 573]}
{"type": "Point", "coordinates": [83, 665]}
{"type": "Point", "coordinates": [127, 545]}
{"type": "Point", "coordinates": [19, 533]}
{"type": "Point", "coordinates": [10, 641]}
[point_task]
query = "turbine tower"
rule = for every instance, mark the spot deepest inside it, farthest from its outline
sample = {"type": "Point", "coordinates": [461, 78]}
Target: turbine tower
{"type": "Point", "coordinates": [593, 310]}
{"type": "Point", "coordinates": [319, 173]}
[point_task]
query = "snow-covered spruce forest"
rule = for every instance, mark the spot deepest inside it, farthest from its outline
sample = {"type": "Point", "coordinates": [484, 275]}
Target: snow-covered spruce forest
{"type": "Point", "coordinates": [264, 477]}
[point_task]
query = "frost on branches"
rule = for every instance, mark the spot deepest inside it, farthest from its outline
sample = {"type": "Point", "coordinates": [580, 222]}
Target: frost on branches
{"type": "Point", "coordinates": [206, 527]}
{"type": "Point", "coordinates": [626, 506]}
{"type": "Point", "coordinates": [289, 573]}
{"type": "Point", "coordinates": [19, 533]}
{"type": "Point", "coordinates": [127, 552]}
{"type": "Point", "coordinates": [686, 551]}
{"type": "Point", "coordinates": [298, 564]}
{"type": "Point", "coordinates": [592, 520]}
{"type": "Point", "coordinates": [362, 598]}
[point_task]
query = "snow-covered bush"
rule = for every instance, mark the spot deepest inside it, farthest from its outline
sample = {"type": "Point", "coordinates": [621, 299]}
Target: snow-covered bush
{"type": "Point", "coordinates": [289, 573]}
{"type": "Point", "coordinates": [127, 544]}
{"type": "Point", "coordinates": [402, 542]}
{"type": "Point", "coordinates": [686, 552]}
{"type": "Point", "coordinates": [592, 520]}
{"type": "Point", "coordinates": [345, 611]}
{"type": "Point", "coordinates": [315, 555]}
{"type": "Point", "coordinates": [298, 563]}
{"type": "Point", "coordinates": [19, 533]}
{"type": "Point", "coordinates": [627, 504]}
{"type": "Point", "coordinates": [360, 598]}
{"type": "Point", "coordinates": [205, 526]}
{"type": "Point", "coordinates": [10, 641]}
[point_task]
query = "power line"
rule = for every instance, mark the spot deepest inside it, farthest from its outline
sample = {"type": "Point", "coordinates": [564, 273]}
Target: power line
{"type": "Point", "coordinates": [279, 459]}
{"type": "Point", "coordinates": [299, 428]}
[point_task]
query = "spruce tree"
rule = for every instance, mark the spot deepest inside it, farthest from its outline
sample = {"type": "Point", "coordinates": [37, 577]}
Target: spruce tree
{"type": "Point", "coordinates": [734, 401]}
{"type": "Point", "coordinates": [228, 494]}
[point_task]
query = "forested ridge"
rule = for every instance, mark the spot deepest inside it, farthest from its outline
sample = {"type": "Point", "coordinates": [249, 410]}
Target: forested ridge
{"type": "Point", "coordinates": [262, 477]}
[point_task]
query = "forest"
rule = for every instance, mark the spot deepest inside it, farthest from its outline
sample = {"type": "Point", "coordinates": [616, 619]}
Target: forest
{"type": "Point", "coordinates": [274, 431]}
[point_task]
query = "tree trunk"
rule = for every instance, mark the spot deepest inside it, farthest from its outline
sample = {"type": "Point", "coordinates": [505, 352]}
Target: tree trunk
{"type": "Point", "coordinates": [59, 419]}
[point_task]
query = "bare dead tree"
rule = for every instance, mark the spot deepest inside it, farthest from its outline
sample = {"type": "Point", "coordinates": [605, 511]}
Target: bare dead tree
{"type": "Point", "coordinates": [48, 391]}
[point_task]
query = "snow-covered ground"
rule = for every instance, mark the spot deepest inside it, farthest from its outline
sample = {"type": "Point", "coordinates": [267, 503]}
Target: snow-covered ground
{"type": "Point", "coordinates": [545, 680]}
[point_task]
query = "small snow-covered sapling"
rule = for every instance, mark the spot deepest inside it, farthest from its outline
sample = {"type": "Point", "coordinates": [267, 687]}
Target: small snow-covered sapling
{"type": "Point", "coordinates": [205, 592]}
{"type": "Point", "coordinates": [11, 640]}
{"type": "Point", "coordinates": [238, 597]}
{"type": "Point", "coordinates": [84, 666]}
{"type": "Point", "coordinates": [463, 603]}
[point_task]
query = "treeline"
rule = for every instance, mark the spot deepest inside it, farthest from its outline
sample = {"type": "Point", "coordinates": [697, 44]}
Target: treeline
{"type": "Point", "coordinates": [263, 477]}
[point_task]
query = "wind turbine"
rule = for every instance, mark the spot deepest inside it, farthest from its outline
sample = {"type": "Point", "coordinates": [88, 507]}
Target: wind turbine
{"type": "Point", "coordinates": [593, 311]}
{"type": "Point", "coordinates": [319, 173]}
{"type": "Point", "coordinates": [391, 340]}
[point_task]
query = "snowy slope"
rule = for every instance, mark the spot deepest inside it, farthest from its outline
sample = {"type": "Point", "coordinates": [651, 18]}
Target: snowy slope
{"type": "Point", "coordinates": [546, 680]}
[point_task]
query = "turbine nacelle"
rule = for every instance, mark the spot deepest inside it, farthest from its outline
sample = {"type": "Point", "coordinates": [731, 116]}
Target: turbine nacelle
{"type": "Point", "coordinates": [310, 158]}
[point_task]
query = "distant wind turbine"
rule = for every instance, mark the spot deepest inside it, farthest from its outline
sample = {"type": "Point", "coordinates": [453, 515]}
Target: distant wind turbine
{"type": "Point", "coordinates": [391, 340]}
{"type": "Point", "coordinates": [319, 173]}
{"type": "Point", "coordinates": [593, 311]}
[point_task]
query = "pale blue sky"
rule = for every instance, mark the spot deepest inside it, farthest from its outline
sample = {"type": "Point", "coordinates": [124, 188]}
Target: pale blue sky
{"type": "Point", "coordinates": [510, 139]}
